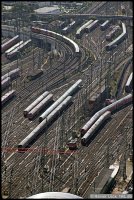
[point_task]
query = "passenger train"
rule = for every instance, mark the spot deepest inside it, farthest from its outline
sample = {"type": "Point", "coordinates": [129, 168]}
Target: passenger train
{"type": "Point", "coordinates": [57, 36]}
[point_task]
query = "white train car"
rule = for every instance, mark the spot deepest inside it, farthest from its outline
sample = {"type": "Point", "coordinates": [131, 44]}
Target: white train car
{"type": "Point", "coordinates": [36, 102]}
{"type": "Point", "coordinates": [112, 107]}
{"type": "Point", "coordinates": [128, 86]}
{"type": "Point", "coordinates": [18, 49]}
{"type": "Point", "coordinates": [9, 43]}
{"type": "Point", "coordinates": [58, 36]}
{"type": "Point", "coordinates": [40, 106]}
{"type": "Point", "coordinates": [81, 30]}
{"type": "Point", "coordinates": [91, 26]}
{"type": "Point", "coordinates": [13, 48]}
{"type": "Point", "coordinates": [44, 124]}
{"type": "Point", "coordinates": [68, 28]}
{"type": "Point", "coordinates": [105, 25]}
{"type": "Point", "coordinates": [70, 91]}
{"type": "Point", "coordinates": [88, 135]}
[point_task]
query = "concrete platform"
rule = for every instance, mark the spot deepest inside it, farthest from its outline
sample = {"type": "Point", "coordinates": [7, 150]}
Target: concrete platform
{"type": "Point", "coordinates": [122, 184]}
{"type": "Point", "coordinates": [100, 181]}
{"type": "Point", "coordinates": [129, 170]}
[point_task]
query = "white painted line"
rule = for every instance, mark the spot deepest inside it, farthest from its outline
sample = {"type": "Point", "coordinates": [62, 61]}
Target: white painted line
{"type": "Point", "coordinates": [9, 157]}
{"type": "Point", "coordinates": [23, 121]}
{"type": "Point", "coordinates": [122, 121]}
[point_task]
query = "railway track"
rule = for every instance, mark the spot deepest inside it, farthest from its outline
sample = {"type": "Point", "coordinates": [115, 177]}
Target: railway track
{"type": "Point", "coordinates": [48, 74]}
{"type": "Point", "coordinates": [28, 160]}
{"type": "Point", "coordinates": [111, 134]}
{"type": "Point", "coordinates": [27, 163]}
{"type": "Point", "coordinates": [28, 155]}
{"type": "Point", "coordinates": [15, 105]}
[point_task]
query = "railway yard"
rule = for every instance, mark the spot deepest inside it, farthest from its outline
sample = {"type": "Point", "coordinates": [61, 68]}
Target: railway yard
{"type": "Point", "coordinates": [76, 62]}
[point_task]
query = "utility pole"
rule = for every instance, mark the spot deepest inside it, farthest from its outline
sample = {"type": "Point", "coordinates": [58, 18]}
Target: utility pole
{"type": "Point", "coordinates": [81, 107]}
{"type": "Point", "coordinates": [91, 77]}
{"type": "Point", "coordinates": [43, 160]}
{"type": "Point", "coordinates": [94, 186]}
{"type": "Point", "coordinates": [101, 54]}
{"type": "Point", "coordinates": [61, 135]}
{"type": "Point", "coordinates": [33, 57]}
{"type": "Point", "coordinates": [124, 166]}
{"type": "Point", "coordinates": [64, 69]}
{"type": "Point", "coordinates": [74, 118]}
{"type": "Point", "coordinates": [42, 163]}
{"type": "Point", "coordinates": [79, 68]}
{"type": "Point", "coordinates": [108, 76]}
{"type": "Point", "coordinates": [125, 46]}
{"type": "Point", "coordinates": [84, 101]}
{"type": "Point", "coordinates": [76, 175]}
{"type": "Point", "coordinates": [5, 191]}
{"type": "Point", "coordinates": [45, 40]}
{"type": "Point", "coordinates": [39, 58]}
{"type": "Point", "coordinates": [106, 8]}
{"type": "Point", "coordinates": [80, 114]}
{"type": "Point", "coordinates": [10, 183]}
{"type": "Point", "coordinates": [28, 186]}
{"type": "Point", "coordinates": [107, 154]}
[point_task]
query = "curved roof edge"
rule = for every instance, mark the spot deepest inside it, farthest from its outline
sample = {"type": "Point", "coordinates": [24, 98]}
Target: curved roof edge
{"type": "Point", "coordinates": [54, 195]}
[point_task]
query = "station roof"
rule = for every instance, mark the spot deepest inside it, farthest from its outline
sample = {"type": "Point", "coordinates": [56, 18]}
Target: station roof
{"type": "Point", "coordinates": [48, 10]}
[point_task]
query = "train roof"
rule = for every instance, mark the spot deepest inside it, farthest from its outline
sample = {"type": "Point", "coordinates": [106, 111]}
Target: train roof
{"type": "Point", "coordinates": [104, 23]}
{"type": "Point", "coordinates": [129, 79]}
{"type": "Point", "coordinates": [90, 25]}
{"type": "Point", "coordinates": [66, 38]}
{"type": "Point", "coordinates": [14, 47]}
{"type": "Point", "coordinates": [84, 26]}
{"type": "Point", "coordinates": [19, 47]}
